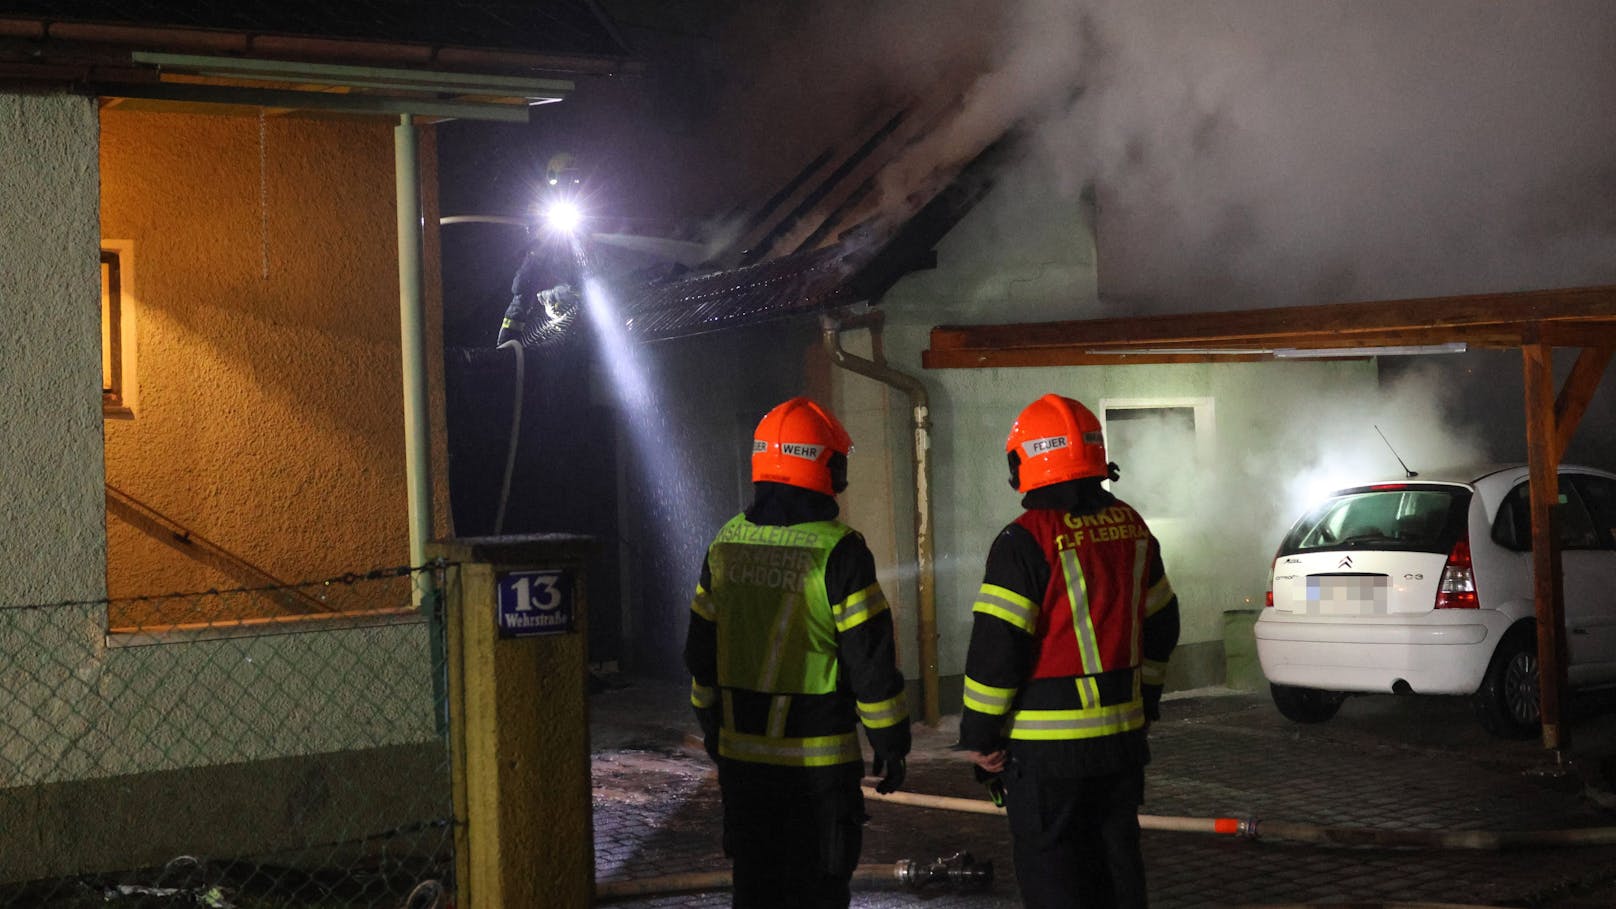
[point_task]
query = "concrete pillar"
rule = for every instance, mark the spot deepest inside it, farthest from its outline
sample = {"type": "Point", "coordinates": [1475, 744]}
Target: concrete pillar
{"type": "Point", "coordinates": [519, 732]}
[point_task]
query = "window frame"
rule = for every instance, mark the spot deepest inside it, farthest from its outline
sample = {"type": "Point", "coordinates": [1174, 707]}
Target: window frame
{"type": "Point", "coordinates": [118, 330]}
{"type": "Point", "coordinates": [1204, 426]}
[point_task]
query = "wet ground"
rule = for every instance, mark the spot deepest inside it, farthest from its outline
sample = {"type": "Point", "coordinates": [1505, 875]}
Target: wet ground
{"type": "Point", "coordinates": [1384, 763]}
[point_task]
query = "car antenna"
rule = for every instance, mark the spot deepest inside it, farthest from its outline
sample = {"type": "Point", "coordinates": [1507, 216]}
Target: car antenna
{"type": "Point", "coordinates": [1406, 472]}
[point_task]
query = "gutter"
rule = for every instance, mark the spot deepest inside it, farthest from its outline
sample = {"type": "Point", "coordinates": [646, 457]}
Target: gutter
{"type": "Point", "coordinates": [926, 576]}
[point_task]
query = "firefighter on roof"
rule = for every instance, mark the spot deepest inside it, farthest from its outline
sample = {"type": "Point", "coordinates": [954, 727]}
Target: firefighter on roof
{"type": "Point", "coordinates": [1071, 634]}
{"type": "Point", "coordinates": [790, 648]}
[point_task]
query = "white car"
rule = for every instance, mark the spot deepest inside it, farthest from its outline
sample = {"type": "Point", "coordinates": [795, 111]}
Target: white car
{"type": "Point", "coordinates": [1423, 585]}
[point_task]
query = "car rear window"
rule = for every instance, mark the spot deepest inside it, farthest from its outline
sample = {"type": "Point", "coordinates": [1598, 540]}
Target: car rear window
{"type": "Point", "coordinates": [1410, 517]}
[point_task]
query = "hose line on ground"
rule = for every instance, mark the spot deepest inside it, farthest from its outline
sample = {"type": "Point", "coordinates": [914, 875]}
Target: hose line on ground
{"type": "Point", "coordinates": [515, 344]}
{"type": "Point", "coordinates": [959, 871]}
{"type": "Point", "coordinates": [1252, 828]}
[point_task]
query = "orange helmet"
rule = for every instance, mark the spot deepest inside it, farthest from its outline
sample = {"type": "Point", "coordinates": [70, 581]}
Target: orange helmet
{"type": "Point", "coordinates": [801, 444]}
{"type": "Point", "coordinates": [1055, 439]}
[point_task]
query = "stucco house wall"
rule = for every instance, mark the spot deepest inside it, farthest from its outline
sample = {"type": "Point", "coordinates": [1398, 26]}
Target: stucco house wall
{"type": "Point", "coordinates": [268, 417]}
{"type": "Point", "coordinates": [1026, 253]}
{"type": "Point", "coordinates": [50, 451]}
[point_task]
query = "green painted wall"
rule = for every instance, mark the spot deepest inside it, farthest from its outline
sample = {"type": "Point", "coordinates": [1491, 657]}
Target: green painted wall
{"type": "Point", "coordinates": [1026, 254]}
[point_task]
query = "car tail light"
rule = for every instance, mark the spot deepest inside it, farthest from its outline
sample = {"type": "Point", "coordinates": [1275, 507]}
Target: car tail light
{"type": "Point", "coordinates": [1268, 598]}
{"type": "Point", "coordinates": [1457, 588]}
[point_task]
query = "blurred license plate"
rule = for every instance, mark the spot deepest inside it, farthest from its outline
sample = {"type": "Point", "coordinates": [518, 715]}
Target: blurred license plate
{"type": "Point", "coordinates": [1346, 594]}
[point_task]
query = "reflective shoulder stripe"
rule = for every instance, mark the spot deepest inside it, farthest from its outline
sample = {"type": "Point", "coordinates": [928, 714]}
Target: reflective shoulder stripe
{"type": "Point", "coordinates": [859, 608]}
{"type": "Point", "coordinates": [1003, 603]}
{"type": "Point", "coordinates": [701, 695]}
{"type": "Point", "coordinates": [1160, 595]}
{"type": "Point", "coordinates": [1091, 723]}
{"type": "Point", "coordinates": [1154, 672]}
{"type": "Point", "coordinates": [815, 751]}
{"type": "Point", "coordinates": [881, 714]}
{"type": "Point", "coordinates": [702, 605]}
{"type": "Point", "coordinates": [988, 699]}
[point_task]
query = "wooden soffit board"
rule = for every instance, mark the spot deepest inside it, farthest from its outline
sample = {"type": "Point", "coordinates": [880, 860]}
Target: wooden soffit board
{"type": "Point", "coordinates": [1570, 317]}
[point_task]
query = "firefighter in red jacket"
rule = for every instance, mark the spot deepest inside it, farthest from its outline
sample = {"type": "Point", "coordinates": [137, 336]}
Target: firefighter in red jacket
{"type": "Point", "coordinates": [1071, 634]}
{"type": "Point", "coordinates": [790, 649]}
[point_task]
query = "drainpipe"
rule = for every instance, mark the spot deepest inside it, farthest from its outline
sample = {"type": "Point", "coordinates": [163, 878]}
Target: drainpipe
{"type": "Point", "coordinates": [926, 581]}
{"type": "Point", "coordinates": [412, 321]}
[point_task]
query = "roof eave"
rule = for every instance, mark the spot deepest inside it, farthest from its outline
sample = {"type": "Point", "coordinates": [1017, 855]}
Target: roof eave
{"type": "Point", "coordinates": [110, 40]}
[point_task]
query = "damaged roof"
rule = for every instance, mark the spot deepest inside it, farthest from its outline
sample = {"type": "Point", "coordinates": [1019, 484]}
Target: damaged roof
{"type": "Point", "coordinates": [855, 219]}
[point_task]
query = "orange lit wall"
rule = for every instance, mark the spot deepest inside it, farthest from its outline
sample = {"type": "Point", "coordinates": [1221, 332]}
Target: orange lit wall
{"type": "Point", "coordinates": [268, 415]}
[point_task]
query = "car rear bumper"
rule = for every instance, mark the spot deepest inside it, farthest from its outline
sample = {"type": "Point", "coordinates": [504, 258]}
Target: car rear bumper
{"type": "Point", "coordinates": [1442, 652]}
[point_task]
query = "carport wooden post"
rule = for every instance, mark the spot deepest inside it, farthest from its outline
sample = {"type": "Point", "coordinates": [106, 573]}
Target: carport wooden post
{"type": "Point", "coordinates": [1548, 597]}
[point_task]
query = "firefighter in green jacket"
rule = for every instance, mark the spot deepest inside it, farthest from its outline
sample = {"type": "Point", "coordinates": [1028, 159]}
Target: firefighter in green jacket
{"type": "Point", "coordinates": [790, 648]}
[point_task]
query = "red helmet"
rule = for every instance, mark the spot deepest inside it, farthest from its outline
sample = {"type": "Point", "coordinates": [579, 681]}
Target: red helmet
{"type": "Point", "coordinates": [798, 444]}
{"type": "Point", "coordinates": [1055, 439]}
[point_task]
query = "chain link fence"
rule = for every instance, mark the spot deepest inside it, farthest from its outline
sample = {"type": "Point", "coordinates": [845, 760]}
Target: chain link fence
{"type": "Point", "coordinates": [250, 748]}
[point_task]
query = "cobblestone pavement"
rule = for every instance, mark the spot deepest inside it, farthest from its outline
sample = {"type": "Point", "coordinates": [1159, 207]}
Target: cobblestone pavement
{"type": "Point", "coordinates": [1383, 763]}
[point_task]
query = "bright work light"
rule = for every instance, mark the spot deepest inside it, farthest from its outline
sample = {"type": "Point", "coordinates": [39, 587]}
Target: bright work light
{"type": "Point", "coordinates": [563, 216]}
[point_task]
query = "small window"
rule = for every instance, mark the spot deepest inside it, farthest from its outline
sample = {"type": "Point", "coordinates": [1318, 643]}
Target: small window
{"type": "Point", "coordinates": [1599, 494]}
{"type": "Point", "coordinates": [1158, 446]}
{"type": "Point", "coordinates": [117, 332]}
{"type": "Point", "coordinates": [1512, 527]}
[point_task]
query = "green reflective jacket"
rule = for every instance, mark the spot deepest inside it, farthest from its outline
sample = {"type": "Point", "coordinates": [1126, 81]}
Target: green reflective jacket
{"type": "Point", "coordinates": [776, 631]}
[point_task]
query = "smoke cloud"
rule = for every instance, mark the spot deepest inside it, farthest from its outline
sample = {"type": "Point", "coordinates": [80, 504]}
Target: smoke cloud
{"type": "Point", "coordinates": [1243, 152]}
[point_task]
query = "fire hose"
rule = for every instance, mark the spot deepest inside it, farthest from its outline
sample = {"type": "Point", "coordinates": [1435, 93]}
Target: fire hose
{"type": "Point", "coordinates": [959, 871]}
{"type": "Point", "coordinates": [1253, 828]}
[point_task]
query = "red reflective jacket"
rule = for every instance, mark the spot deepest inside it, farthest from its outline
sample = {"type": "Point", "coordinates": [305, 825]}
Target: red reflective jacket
{"type": "Point", "coordinates": [1093, 611]}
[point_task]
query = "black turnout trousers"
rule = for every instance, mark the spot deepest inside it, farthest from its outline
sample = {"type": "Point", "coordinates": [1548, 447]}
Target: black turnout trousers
{"type": "Point", "coordinates": [1076, 839]}
{"type": "Point", "coordinates": [794, 834]}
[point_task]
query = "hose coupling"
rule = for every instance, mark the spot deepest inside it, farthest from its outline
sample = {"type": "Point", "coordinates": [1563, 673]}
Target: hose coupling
{"type": "Point", "coordinates": [959, 871]}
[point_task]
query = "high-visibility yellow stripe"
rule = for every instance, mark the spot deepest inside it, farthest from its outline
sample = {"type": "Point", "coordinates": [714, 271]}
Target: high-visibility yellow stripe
{"type": "Point", "coordinates": [769, 671]}
{"type": "Point", "coordinates": [1002, 603]}
{"type": "Point", "coordinates": [701, 695]}
{"type": "Point", "coordinates": [859, 608]}
{"type": "Point", "coordinates": [815, 751]}
{"type": "Point", "coordinates": [1090, 723]}
{"type": "Point", "coordinates": [779, 706]}
{"type": "Point", "coordinates": [1141, 550]}
{"type": "Point", "coordinates": [1088, 691]}
{"type": "Point", "coordinates": [881, 714]}
{"type": "Point", "coordinates": [702, 605]}
{"type": "Point", "coordinates": [1161, 593]}
{"type": "Point", "coordinates": [988, 699]}
{"type": "Point", "coordinates": [1077, 593]}
{"type": "Point", "coordinates": [1154, 672]}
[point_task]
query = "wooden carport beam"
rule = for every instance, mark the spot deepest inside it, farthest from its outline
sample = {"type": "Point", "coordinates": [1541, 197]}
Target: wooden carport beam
{"type": "Point", "coordinates": [1577, 317]}
{"type": "Point", "coordinates": [1575, 396]}
{"type": "Point", "coordinates": [1548, 596]}
{"type": "Point", "coordinates": [1549, 428]}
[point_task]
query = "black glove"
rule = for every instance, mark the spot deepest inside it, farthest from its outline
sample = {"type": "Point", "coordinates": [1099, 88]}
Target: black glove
{"type": "Point", "coordinates": [891, 770]}
{"type": "Point", "coordinates": [708, 717]}
{"type": "Point", "coordinates": [1152, 695]}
